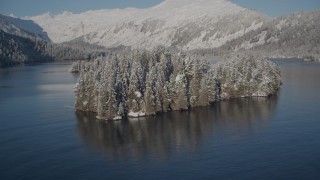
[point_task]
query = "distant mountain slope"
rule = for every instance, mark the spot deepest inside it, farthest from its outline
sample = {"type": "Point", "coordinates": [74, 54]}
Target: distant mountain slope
{"type": "Point", "coordinates": [24, 28]}
{"type": "Point", "coordinates": [23, 42]}
{"type": "Point", "coordinates": [17, 50]}
{"type": "Point", "coordinates": [295, 35]}
{"type": "Point", "coordinates": [185, 24]}
{"type": "Point", "coordinates": [21, 50]}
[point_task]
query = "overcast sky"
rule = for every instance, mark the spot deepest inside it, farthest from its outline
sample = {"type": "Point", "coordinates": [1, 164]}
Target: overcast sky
{"type": "Point", "coordinates": [22, 8]}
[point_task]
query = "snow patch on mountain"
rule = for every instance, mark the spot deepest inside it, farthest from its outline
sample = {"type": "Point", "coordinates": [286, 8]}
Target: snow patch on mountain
{"type": "Point", "coordinates": [260, 40]}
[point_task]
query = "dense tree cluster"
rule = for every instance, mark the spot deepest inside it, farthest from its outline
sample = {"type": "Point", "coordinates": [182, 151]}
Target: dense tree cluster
{"type": "Point", "coordinates": [246, 76]}
{"type": "Point", "coordinates": [143, 83]}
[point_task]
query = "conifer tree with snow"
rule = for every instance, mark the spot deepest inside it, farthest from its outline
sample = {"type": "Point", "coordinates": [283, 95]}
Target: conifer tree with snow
{"type": "Point", "coordinates": [139, 83]}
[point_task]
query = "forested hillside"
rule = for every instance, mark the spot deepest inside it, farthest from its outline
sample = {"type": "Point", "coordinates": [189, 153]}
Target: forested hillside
{"type": "Point", "coordinates": [17, 50]}
{"type": "Point", "coordinates": [20, 50]}
{"type": "Point", "coordinates": [296, 35]}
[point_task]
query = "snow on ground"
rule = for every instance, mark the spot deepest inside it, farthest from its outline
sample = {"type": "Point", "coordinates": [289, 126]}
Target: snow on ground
{"type": "Point", "coordinates": [136, 114]}
{"type": "Point", "coordinates": [117, 118]}
{"type": "Point", "coordinates": [138, 94]}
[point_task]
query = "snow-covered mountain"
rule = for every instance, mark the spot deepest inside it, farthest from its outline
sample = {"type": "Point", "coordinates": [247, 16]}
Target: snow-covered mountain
{"type": "Point", "coordinates": [20, 27]}
{"type": "Point", "coordinates": [296, 35]}
{"type": "Point", "coordinates": [185, 24]}
{"type": "Point", "coordinates": [23, 41]}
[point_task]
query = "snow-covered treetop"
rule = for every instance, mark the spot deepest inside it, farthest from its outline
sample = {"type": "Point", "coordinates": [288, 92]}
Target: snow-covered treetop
{"type": "Point", "coordinates": [142, 83]}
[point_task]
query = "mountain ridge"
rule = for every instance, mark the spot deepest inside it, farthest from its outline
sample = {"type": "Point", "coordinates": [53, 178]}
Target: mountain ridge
{"type": "Point", "coordinates": [202, 26]}
{"type": "Point", "coordinates": [22, 27]}
{"type": "Point", "coordinates": [184, 24]}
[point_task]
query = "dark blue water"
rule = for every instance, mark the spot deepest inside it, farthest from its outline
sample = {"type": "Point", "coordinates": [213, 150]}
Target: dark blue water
{"type": "Point", "coordinates": [43, 137]}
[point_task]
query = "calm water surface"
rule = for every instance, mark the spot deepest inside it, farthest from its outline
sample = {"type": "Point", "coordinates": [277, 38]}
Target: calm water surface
{"type": "Point", "coordinates": [43, 137]}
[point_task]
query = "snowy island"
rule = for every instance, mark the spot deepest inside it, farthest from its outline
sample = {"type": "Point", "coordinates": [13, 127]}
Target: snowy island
{"type": "Point", "coordinates": [142, 83]}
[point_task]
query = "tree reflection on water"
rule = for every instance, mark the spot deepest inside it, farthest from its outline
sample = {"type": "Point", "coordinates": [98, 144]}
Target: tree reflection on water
{"type": "Point", "coordinates": [157, 136]}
